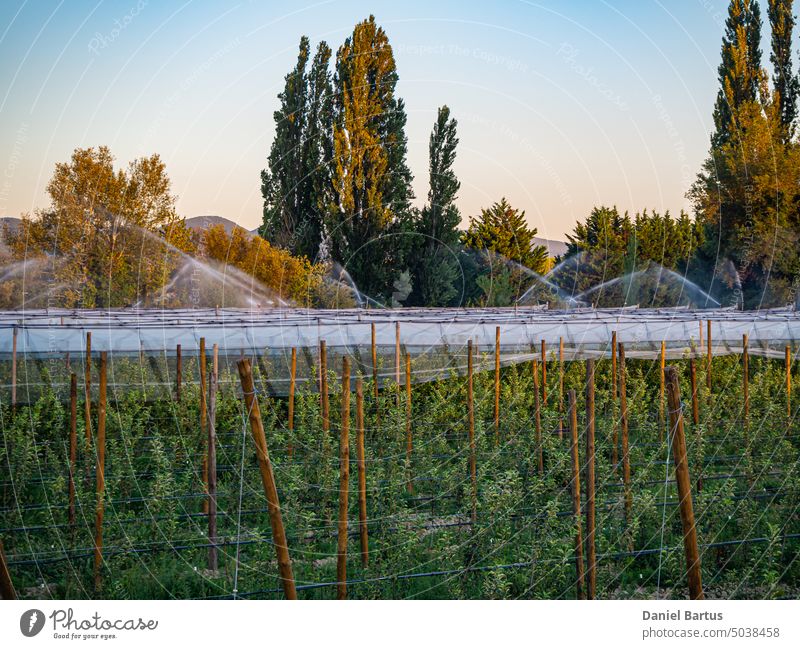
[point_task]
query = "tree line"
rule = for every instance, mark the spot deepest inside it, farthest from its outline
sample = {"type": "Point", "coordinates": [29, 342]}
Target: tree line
{"type": "Point", "coordinates": [337, 203]}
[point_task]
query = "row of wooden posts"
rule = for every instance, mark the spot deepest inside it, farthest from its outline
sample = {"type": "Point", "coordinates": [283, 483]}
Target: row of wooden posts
{"type": "Point", "coordinates": [668, 384]}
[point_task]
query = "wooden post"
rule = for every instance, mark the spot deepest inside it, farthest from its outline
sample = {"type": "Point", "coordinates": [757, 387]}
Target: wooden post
{"type": "Point", "coordinates": [87, 392]}
{"type": "Point", "coordinates": [662, 365]}
{"type": "Point", "coordinates": [497, 386]}
{"type": "Point", "coordinates": [700, 342]}
{"type": "Point", "coordinates": [178, 373]}
{"type": "Point", "coordinates": [397, 359]}
{"type": "Point", "coordinates": [623, 418]}
{"type": "Point", "coordinates": [746, 378]}
{"type": "Point", "coordinates": [212, 459]}
{"type": "Point", "coordinates": [101, 478]}
{"type": "Point", "coordinates": [591, 557]}
{"type": "Point", "coordinates": [203, 361]}
{"type": "Point", "coordinates": [409, 439]}
{"type": "Point", "coordinates": [362, 474]}
{"type": "Point", "coordinates": [6, 586]}
{"type": "Point", "coordinates": [614, 367]}
{"type": "Point", "coordinates": [344, 484]}
{"type": "Point", "coordinates": [695, 405]}
{"type": "Point", "coordinates": [537, 415]}
{"type": "Point", "coordinates": [684, 486]}
{"type": "Point", "coordinates": [268, 479]}
{"type": "Point", "coordinates": [708, 359]}
{"type": "Point", "coordinates": [544, 372]}
{"type": "Point", "coordinates": [473, 472]}
{"type": "Point", "coordinates": [323, 392]}
{"type": "Point", "coordinates": [73, 443]}
{"type": "Point", "coordinates": [561, 388]}
{"type": "Point", "coordinates": [788, 361]}
{"type": "Point", "coordinates": [14, 368]}
{"type": "Point", "coordinates": [292, 379]}
{"type": "Point", "coordinates": [576, 494]}
{"type": "Point", "coordinates": [375, 377]}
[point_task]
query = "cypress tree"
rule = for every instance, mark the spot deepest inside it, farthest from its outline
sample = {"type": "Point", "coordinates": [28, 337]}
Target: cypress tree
{"type": "Point", "coordinates": [784, 81]}
{"type": "Point", "coordinates": [740, 69]}
{"type": "Point", "coordinates": [371, 180]}
{"type": "Point", "coordinates": [434, 268]}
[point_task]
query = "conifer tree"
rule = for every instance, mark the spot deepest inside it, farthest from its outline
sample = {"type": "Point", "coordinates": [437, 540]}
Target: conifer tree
{"type": "Point", "coordinates": [784, 81]}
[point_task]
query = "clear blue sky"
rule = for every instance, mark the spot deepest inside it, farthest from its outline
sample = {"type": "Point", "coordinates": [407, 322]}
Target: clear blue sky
{"type": "Point", "coordinates": [562, 105]}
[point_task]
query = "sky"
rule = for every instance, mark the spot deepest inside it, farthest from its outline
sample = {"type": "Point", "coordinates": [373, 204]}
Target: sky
{"type": "Point", "coordinates": [562, 105]}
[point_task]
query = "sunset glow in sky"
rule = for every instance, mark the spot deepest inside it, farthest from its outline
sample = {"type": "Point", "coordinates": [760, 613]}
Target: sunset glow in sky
{"type": "Point", "coordinates": [561, 105]}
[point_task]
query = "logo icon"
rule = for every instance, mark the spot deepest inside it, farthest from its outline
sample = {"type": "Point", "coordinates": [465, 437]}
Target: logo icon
{"type": "Point", "coordinates": [31, 622]}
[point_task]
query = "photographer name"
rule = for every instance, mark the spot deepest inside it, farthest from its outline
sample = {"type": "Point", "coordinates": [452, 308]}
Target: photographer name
{"type": "Point", "coordinates": [681, 615]}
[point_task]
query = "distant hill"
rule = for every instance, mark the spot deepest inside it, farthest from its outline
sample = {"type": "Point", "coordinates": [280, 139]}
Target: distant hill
{"type": "Point", "coordinates": [554, 248]}
{"type": "Point", "coordinates": [203, 222]}
{"type": "Point", "coordinates": [13, 223]}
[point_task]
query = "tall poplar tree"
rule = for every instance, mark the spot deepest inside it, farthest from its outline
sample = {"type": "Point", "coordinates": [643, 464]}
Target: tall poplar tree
{"type": "Point", "coordinates": [434, 267]}
{"type": "Point", "coordinates": [296, 185]}
{"type": "Point", "coordinates": [740, 69]}
{"type": "Point", "coordinates": [784, 80]}
{"type": "Point", "coordinates": [371, 179]}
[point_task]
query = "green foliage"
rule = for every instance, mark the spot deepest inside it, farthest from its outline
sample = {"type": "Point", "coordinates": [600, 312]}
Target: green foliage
{"type": "Point", "coordinates": [296, 184]}
{"type": "Point", "coordinates": [504, 231]}
{"type": "Point", "coordinates": [521, 546]}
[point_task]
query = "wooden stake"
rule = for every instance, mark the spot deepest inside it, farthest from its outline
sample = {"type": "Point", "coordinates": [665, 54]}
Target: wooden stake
{"type": "Point", "coordinates": [362, 474]}
{"type": "Point", "coordinates": [544, 372]}
{"type": "Point", "coordinates": [292, 379]}
{"type": "Point", "coordinates": [746, 378]}
{"type": "Point", "coordinates": [684, 486]}
{"type": "Point", "coordinates": [178, 373]}
{"type": "Point", "coordinates": [73, 443]}
{"type": "Point", "coordinates": [409, 439]}
{"type": "Point", "coordinates": [537, 414]}
{"type": "Point", "coordinates": [662, 365]}
{"type": "Point", "coordinates": [87, 392]}
{"type": "Point", "coordinates": [268, 479]}
{"type": "Point", "coordinates": [591, 556]}
{"type": "Point", "coordinates": [614, 366]}
{"type": "Point", "coordinates": [576, 495]}
{"type": "Point", "coordinates": [561, 388]}
{"type": "Point", "coordinates": [708, 359]}
{"type": "Point", "coordinates": [323, 391]}
{"type": "Point", "coordinates": [101, 478]}
{"type": "Point", "coordinates": [693, 379]}
{"type": "Point", "coordinates": [397, 358]}
{"type": "Point", "coordinates": [473, 471]}
{"type": "Point", "coordinates": [623, 416]}
{"type": "Point", "coordinates": [14, 368]}
{"type": "Point", "coordinates": [6, 586]}
{"type": "Point", "coordinates": [375, 377]}
{"type": "Point", "coordinates": [203, 361]}
{"type": "Point", "coordinates": [212, 459]}
{"type": "Point", "coordinates": [344, 484]}
{"type": "Point", "coordinates": [497, 386]}
{"type": "Point", "coordinates": [788, 362]}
